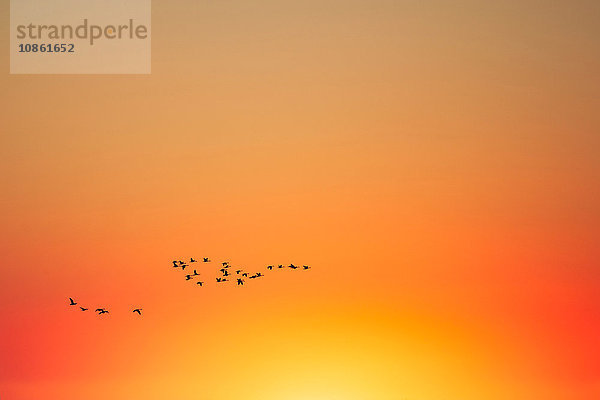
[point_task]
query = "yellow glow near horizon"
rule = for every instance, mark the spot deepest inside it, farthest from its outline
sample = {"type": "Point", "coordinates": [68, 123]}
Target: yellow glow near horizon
{"type": "Point", "coordinates": [436, 164]}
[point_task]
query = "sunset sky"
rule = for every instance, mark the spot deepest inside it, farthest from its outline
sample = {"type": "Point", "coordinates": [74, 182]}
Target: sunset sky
{"type": "Point", "coordinates": [435, 162]}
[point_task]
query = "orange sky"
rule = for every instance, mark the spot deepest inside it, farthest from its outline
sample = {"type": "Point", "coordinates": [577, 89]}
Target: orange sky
{"type": "Point", "coordinates": [436, 164]}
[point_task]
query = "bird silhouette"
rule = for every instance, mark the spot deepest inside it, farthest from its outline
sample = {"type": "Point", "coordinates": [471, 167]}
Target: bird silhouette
{"type": "Point", "coordinates": [188, 277]}
{"type": "Point", "coordinates": [72, 302]}
{"type": "Point", "coordinates": [225, 273]}
{"type": "Point", "coordinates": [139, 311]}
{"type": "Point", "coordinates": [240, 281]}
{"type": "Point", "coordinates": [305, 267]}
{"type": "Point", "coordinates": [245, 274]}
{"type": "Point", "coordinates": [83, 309]}
{"type": "Point", "coordinates": [259, 275]}
{"type": "Point", "coordinates": [196, 273]}
{"type": "Point", "coordinates": [238, 271]}
{"type": "Point", "coordinates": [179, 264]}
{"type": "Point", "coordinates": [205, 259]}
{"type": "Point", "coordinates": [199, 283]}
{"type": "Point", "coordinates": [292, 266]}
{"type": "Point", "coordinates": [225, 264]}
{"type": "Point", "coordinates": [270, 267]}
{"type": "Point", "coordinates": [280, 266]}
{"type": "Point", "coordinates": [219, 279]}
{"type": "Point", "coordinates": [192, 260]}
{"type": "Point", "coordinates": [101, 311]}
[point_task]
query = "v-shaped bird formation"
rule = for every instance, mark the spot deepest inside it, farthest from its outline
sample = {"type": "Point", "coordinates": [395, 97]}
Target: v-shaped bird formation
{"type": "Point", "coordinates": [237, 276]}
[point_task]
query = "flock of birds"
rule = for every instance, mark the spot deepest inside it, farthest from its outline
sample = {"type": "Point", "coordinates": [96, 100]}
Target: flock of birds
{"type": "Point", "coordinates": [226, 276]}
{"type": "Point", "coordinates": [100, 311]}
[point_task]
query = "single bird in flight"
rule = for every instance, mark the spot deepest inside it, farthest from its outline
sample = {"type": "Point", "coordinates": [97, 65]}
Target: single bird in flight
{"type": "Point", "coordinates": [138, 310]}
{"type": "Point", "coordinates": [72, 302]}
{"type": "Point", "coordinates": [83, 309]}
{"type": "Point", "coordinates": [240, 281]}
{"type": "Point", "coordinates": [205, 259]}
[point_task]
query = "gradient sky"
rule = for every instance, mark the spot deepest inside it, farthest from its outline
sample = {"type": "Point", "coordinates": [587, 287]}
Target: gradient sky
{"type": "Point", "coordinates": [435, 162]}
